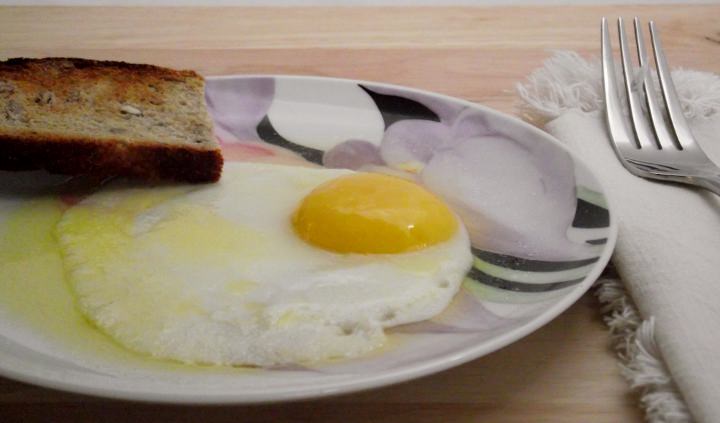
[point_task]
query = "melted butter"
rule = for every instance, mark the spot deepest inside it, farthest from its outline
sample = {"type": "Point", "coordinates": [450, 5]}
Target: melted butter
{"type": "Point", "coordinates": [289, 318]}
{"type": "Point", "coordinates": [194, 233]}
{"type": "Point", "coordinates": [34, 289]}
{"type": "Point", "coordinates": [34, 292]}
{"type": "Point", "coordinates": [112, 227]}
{"type": "Point", "coordinates": [31, 281]}
{"type": "Point", "coordinates": [240, 287]}
{"type": "Point", "coordinates": [101, 240]}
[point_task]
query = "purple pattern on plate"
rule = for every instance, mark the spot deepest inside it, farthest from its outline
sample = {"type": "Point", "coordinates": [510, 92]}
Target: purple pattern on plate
{"type": "Point", "coordinates": [464, 158]}
{"type": "Point", "coordinates": [239, 105]}
{"type": "Point", "coordinates": [352, 154]}
{"type": "Point", "coordinates": [486, 154]}
{"type": "Point", "coordinates": [413, 141]}
{"type": "Point", "coordinates": [470, 157]}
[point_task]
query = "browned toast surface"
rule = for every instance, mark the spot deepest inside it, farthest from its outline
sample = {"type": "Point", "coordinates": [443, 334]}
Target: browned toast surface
{"type": "Point", "coordinates": [77, 116]}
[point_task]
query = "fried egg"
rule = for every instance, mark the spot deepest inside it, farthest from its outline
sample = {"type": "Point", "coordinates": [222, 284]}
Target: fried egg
{"type": "Point", "coordinates": [272, 265]}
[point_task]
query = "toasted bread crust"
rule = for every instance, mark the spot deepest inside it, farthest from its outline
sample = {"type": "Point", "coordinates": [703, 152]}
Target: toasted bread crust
{"type": "Point", "coordinates": [27, 145]}
{"type": "Point", "coordinates": [86, 156]}
{"type": "Point", "coordinates": [28, 67]}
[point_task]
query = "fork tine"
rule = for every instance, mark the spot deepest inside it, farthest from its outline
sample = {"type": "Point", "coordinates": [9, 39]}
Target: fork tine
{"type": "Point", "coordinates": [680, 126]}
{"type": "Point", "coordinates": [619, 132]}
{"type": "Point", "coordinates": [643, 133]}
{"type": "Point", "coordinates": [662, 132]}
{"type": "Point", "coordinates": [687, 163]}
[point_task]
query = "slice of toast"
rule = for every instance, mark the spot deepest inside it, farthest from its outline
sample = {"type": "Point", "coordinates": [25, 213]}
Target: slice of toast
{"type": "Point", "coordinates": [77, 116]}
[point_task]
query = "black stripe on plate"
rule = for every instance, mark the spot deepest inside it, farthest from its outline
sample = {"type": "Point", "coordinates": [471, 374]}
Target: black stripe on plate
{"type": "Point", "coordinates": [598, 241]}
{"type": "Point", "coordinates": [268, 134]}
{"type": "Point", "coordinates": [394, 108]}
{"type": "Point", "coordinates": [489, 280]}
{"type": "Point", "coordinates": [589, 215]}
{"type": "Point", "coordinates": [528, 265]}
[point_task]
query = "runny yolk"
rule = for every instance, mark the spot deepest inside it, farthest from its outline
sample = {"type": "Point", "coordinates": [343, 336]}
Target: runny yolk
{"type": "Point", "coordinates": [371, 213]}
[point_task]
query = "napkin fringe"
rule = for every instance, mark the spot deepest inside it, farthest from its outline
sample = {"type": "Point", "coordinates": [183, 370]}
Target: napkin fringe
{"type": "Point", "coordinates": [567, 81]}
{"type": "Point", "coordinates": [633, 340]}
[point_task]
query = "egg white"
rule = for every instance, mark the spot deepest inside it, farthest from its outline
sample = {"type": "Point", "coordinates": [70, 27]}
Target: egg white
{"type": "Point", "coordinates": [215, 274]}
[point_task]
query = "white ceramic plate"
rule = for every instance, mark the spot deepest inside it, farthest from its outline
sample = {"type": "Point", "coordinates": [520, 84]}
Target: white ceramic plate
{"type": "Point", "coordinates": [541, 228]}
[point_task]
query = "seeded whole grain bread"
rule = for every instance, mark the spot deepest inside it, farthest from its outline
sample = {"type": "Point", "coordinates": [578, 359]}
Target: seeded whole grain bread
{"type": "Point", "coordinates": [77, 116]}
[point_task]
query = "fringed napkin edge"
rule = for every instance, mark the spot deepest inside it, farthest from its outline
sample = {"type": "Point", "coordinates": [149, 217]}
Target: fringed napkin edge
{"type": "Point", "coordinates": [566, 82]}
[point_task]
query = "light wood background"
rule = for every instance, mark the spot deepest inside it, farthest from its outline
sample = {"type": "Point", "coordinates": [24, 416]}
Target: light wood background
{"type": "Point", "coordinates": [564, 372]}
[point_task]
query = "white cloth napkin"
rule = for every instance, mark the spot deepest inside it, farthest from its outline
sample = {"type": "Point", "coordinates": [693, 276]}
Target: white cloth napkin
{"type": "Point", "coordinates": [668, 249]}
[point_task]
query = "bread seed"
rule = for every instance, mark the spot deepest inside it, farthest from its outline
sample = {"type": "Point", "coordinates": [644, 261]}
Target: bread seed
{"type": "Point", "coordinates": [130, 110]}
{"type": "Point", "coordinates": [198, 129]}
{"type": "Point", "coordinates": [13, 111]}
{"type": "Point", "coordinates": [45, 97]}
{"type": "Point", "coordinates": [73, 97]}
{"type": "Point", "coordinates": [6, 87]}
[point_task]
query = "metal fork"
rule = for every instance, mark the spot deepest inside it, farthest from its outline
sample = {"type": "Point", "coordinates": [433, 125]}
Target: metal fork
{"type": "Point", "coordinates": [659, 148]}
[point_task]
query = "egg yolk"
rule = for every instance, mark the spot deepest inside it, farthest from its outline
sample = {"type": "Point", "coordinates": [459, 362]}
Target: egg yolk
{"type": "Point", "coordinates": [371, 213]}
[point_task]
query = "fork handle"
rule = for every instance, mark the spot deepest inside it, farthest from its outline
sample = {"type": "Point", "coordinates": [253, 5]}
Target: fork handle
{"type": "Point", "coordinates": [710, 182]}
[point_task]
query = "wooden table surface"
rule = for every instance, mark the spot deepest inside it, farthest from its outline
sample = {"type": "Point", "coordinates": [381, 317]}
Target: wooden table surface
{"type": "Point", "coordinates": [564, 372]}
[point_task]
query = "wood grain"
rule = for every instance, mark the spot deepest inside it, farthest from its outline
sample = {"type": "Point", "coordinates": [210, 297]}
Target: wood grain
{"type": "Point", "coordinates": [353, 28]}
{"type": "Point", "coordinates": [564, 372]}
{"type": "Point", "coordinates": [474, 53]}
